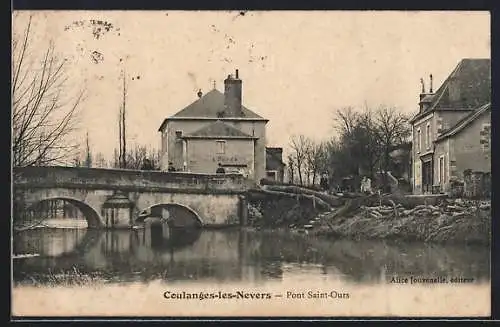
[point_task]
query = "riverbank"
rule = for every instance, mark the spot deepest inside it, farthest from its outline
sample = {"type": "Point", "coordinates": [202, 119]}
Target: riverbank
{"type": "Point", "coordinates": [411, 218]}
{"type": "Point", "coordinates": [55, 223]}
{"type": "Point", "coordinates": [449, 222]}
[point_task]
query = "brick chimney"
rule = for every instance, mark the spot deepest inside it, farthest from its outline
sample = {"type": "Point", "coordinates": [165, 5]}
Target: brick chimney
{"type": "Point", "coordinates": [232, 96]}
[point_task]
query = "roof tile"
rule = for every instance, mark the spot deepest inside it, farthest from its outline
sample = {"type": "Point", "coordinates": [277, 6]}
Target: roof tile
{"type": "Point", "coordinates": [209, 105]}
{"type": "Point", "coordinates": [466, 88]}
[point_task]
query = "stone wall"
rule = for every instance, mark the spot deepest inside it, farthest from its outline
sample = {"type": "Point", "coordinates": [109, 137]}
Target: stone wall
{"type": "Point", "coordinates": [126, 180]}
{"type": "Point", "coordinates": [477, 184]}
{"type": "Point", "coordinates": [466, 149]}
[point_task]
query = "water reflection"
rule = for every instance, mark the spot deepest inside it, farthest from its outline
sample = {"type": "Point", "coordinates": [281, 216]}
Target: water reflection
{"type": "Point", "coordinates": [236, 255]}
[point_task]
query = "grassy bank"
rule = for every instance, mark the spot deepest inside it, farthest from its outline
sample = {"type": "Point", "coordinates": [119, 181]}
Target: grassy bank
{"type": "Point", "coordinates": [73, 277]}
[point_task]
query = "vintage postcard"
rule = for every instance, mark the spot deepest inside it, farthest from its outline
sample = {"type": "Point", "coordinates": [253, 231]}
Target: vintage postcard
{"type": "Point", "coordinates": [251, 163]}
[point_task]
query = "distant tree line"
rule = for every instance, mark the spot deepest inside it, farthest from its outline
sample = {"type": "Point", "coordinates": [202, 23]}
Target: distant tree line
{"type": "Point", "coordinates": [363, 145]}
{"type": "Point", "coordinates": [139, 157]}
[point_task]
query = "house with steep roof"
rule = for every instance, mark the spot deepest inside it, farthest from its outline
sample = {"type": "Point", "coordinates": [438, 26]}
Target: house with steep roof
{"type": "Point", "coordinates": [216, 129]}
{"type": "Point", "coordinates": [451, 129]}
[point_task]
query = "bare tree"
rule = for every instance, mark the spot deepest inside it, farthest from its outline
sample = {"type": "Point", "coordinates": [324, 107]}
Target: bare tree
{"type": "Point", "coordinates": [99, 160]}
{"type": "Point", "coordinates": [136, 157]}
{"type": "Point", "coordinates": [121, 125]}
{"type": "Point", "coordinates": [291, 168]}
{"type": "Point", "coordinates": [76, 161]}
{"type": "Point", "coordinates": [369, 142]}
{"type": "Point", "coordinates": [116, 161]}
{"type": "Point", "coordinates": [154, 156]}
{"type": "Point", "coordinates": [393, 130]}
{"type": "Point", "coordinates": [88, 158]}
{"type": "Point", "coordinates": [315, 158]}
{"type": "Point", "coordinates": [42, 118]}
{"type": "Point", "coordinates": [345, 119]}
{"type": "Point", "coordinates": [299, 145]}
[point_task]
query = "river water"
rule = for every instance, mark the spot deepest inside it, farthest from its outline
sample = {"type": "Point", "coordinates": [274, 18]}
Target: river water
{"type": "Point", "coordinates": [211, 259]}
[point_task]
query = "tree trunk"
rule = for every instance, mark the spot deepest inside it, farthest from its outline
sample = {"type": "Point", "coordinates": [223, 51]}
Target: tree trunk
{"type": "Point", "coordinates": [299, 169]}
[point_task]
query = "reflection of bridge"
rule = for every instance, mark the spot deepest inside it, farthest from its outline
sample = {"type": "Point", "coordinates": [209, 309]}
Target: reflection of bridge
{"type": "Point", "coordinates": [128, 254]}
{"type": "Point", "coordinates": [116, 198]}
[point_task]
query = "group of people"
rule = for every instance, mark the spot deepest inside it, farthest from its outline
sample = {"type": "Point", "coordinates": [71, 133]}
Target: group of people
{"type": "Point", "coordinates": [365, 184]}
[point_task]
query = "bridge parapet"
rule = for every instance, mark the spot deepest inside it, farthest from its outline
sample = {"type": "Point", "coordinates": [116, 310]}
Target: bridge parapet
{"type": "Point", "coordinates": [123, 179]}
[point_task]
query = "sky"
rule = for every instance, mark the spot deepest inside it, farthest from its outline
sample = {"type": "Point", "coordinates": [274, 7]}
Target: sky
{"type": "Point", "coordinates": [297, 67]}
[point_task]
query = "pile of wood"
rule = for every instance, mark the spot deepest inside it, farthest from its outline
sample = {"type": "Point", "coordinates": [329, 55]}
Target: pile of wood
{"type": "Point", "coordinates": [453, 208]}
{"type": "Point", "coordinates": [451, 220]}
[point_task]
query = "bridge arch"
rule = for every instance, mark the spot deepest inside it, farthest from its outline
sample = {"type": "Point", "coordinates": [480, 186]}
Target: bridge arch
{"type": "Point", "coordinates": [178, 215]}
{"type": "Point", "coordinates": [94, 219]}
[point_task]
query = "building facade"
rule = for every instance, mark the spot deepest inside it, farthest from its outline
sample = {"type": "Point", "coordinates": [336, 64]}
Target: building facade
{"type": "Point", "coordinates": [463, 147]}
{"type": "Point", "coordinates": [444, 130]}
{"type": "Point", "coordinates": [275, 167]}
{"type": "Point", "coordinates": [216, 131]}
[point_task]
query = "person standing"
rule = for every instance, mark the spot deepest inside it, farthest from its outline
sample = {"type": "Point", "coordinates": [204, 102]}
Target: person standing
{"type": "Point", "coordinates": [220, 169]}
{"type": "Point", "coordinates": [363, 184]}
{"type": "Point", "coordinates": [368, 185]}
{"type": "Point", "coordinates": [147, 165]}
{"type": "Point", "coordinates": [324, 182]}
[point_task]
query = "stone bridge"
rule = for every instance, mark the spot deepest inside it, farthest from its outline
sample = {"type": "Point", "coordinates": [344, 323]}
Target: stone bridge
{"type": "Point", "coordinates": [114, 198]}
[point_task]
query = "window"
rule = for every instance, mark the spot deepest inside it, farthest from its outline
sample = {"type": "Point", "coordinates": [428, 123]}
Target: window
{"type": "Point", "coordinates": [441, 170]}
{"type": "Point", "coordinates": [178, 134]}
{"type": "Point", "coordinates": [428, 136]}
{"type": "Point", "coordinates": [271, 175]}
{"type": "Point", "coordinates": [418, 140]}
{"type": "Point", "coordinates": [221, 147]}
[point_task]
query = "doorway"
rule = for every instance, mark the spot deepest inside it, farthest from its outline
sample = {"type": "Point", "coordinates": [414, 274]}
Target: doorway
{"type": "Point", "coordinates": [427, 177]}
